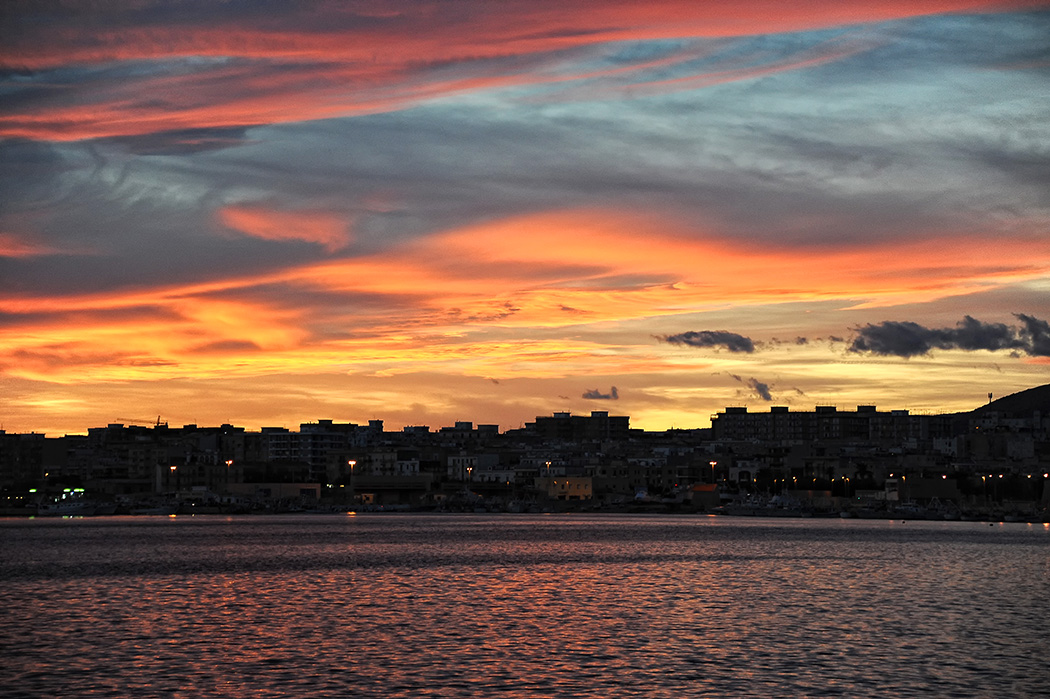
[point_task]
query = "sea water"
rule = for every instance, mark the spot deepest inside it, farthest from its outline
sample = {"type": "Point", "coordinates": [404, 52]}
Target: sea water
{"type": "Point", "coordinates": [392, 605]}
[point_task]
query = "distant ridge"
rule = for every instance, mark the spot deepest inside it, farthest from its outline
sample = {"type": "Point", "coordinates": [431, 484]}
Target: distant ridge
{"type": "Point", "coordinates": [1021, 403]}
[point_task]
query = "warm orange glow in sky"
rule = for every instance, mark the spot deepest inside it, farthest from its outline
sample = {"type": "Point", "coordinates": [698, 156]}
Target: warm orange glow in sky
{"type": "Point", "coordinates": [320, 227]}
{"type": "Point", "coordinates": [489, 214]}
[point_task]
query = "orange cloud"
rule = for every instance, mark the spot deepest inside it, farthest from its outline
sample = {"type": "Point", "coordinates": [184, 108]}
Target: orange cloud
{"type": "Point", "coordinates": [512, 297]}
{"type": "Point", "coordinates": [580, 260]}
{"type": "Point", "coordinates": [321, 227]}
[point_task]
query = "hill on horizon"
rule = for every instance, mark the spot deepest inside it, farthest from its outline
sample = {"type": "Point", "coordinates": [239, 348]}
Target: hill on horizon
{"type": "Point", "coordinates": [1020, 403]}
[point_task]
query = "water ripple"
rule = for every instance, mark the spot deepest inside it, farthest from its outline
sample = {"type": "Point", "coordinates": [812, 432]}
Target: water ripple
{"type": "Point", "coordinates": [403, 606]}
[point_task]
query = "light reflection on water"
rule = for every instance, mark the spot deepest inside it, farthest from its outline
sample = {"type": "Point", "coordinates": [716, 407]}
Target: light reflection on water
{"type": "Point", "coordinates": [522, 606]}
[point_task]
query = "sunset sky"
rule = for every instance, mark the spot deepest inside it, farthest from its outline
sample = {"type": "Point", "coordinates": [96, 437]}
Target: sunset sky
{"type": "Point", "coordinates": [269, 213]}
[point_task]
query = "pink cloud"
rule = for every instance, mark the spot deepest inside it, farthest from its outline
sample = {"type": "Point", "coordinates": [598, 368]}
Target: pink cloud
{"type": "Point", "coordinates": [321, 227]}
{"type": "Point", "coordinates": [16, 246]}
{"type": "Point", "coordinates": [328, 61]}
{"type": "Point", "coordinates": [384, 32]}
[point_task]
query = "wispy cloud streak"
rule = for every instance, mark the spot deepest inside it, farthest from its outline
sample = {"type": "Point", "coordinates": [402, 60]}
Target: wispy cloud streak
{"type": "Point", "coordinates": [75, 76]}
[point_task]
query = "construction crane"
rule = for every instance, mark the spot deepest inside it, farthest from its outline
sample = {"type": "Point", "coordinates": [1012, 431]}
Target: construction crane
{"type": "Point", "coordinates": [139, 421]}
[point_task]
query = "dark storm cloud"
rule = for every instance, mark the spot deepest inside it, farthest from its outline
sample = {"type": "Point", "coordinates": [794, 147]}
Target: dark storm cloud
{"type": "Point", "coordinates": [1036, 334]}
{"type": "Point", "coordinates": [595, 394]}
{"type": "Point", "coordinates": [908, 339]}
{"type": "Point", "coordinates": [711, 338]}
{"type": "Point", "coordinates": [760, 388]}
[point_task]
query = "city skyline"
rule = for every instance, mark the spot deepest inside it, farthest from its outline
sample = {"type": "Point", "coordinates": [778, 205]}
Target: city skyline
{"type": "Point", "coordinates": [255, 213]}
{"type": "Point", "coordinates": [1022, 402]}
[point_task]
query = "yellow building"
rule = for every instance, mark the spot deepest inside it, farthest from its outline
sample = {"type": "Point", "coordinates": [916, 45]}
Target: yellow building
{"type": "Point", "coordinates": [566, 487]}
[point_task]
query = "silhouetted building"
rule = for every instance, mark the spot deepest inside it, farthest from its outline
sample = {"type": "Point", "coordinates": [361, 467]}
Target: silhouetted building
{"type": "Point", "coordinates": [578, 428]}
{"type": "Point", "coordinates": [827, 423]}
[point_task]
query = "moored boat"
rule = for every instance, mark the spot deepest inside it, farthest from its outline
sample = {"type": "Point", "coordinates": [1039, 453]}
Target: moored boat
{"type": "Point", "coordinates": [66, 508]}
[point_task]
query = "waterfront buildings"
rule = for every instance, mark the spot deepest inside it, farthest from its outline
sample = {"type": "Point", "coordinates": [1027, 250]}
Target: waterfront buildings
{"type": "Point", "coordinates": [1000, 452]}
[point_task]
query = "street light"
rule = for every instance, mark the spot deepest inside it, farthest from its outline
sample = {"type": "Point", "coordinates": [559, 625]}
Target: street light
{"type": "Point", "coordinates": [712, 464]}
{"type": "Point", "coordinates": [351, 463]}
